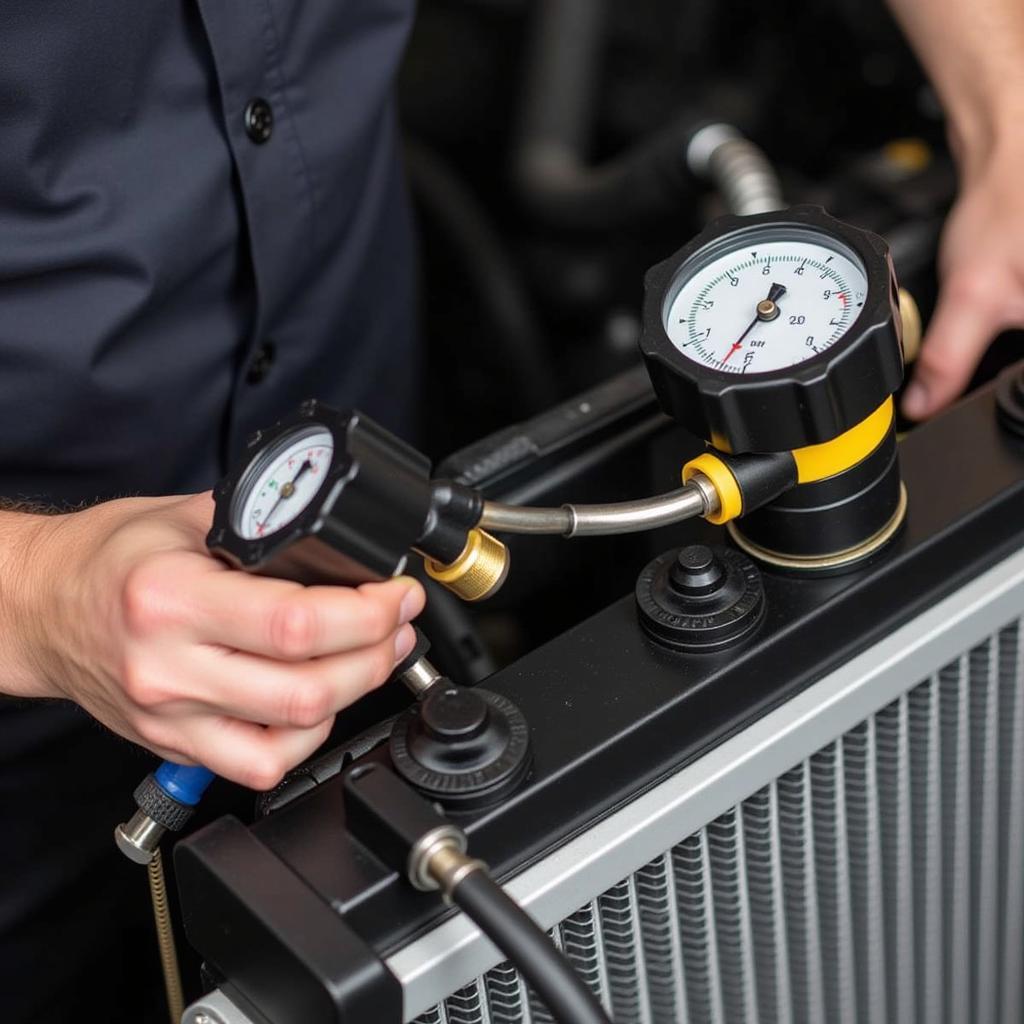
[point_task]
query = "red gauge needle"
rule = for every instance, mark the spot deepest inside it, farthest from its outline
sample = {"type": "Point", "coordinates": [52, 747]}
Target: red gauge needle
{"type": "Point", "coordinates": [766, 310]}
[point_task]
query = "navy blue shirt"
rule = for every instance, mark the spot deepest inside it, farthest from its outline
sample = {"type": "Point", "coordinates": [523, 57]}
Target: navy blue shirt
{"type": "Point", "coordinates": [202, 222]}
{"type": "Point", "coordinates": [178, 267]}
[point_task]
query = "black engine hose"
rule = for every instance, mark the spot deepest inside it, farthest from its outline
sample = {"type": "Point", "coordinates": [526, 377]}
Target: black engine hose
{"type": "Point", "coordinates": [490, 271]}
{"type": "Point", "coordinates": [552, 173]}
{"type": "Point", "coordinates": [529, 949]}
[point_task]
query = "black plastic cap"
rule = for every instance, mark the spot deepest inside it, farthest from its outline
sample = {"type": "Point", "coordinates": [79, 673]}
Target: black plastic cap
{"type": "Point", "coordinates": [463, 746]}
{"type": "Point", "coordinates": [809, 403]}
{"type": "Point", "coordinates": [699, 598]}
{"type": "Point", "coordinates": [153, 801]}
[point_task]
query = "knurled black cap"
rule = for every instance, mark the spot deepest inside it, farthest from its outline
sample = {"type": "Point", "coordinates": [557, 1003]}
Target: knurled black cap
{"type": "Point", "coordinates": [152, 800]}
{"type": "Point", "coordinates": [700, 598]}
{"type": "Point", "coordinates": [809, 402]}
{"type": "Point", "coordinates": [465, 747]}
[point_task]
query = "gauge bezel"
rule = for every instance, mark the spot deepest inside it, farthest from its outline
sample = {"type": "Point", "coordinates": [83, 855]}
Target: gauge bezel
{"type": "Point", "coordinates": [261, 447]}
{"type": "Point", "coordinates": [807, 403]}
{"type": "Point", "coordinates": [745, 239]}
{"type": "Point", "coordinates": [265, 456]}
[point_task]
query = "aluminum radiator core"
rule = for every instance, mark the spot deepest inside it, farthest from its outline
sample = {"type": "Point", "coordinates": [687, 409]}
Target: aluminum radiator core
{"type": "Point", "coordinates": [878, 877]}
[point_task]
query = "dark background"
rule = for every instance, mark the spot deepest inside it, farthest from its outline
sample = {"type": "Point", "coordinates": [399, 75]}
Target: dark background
{"type": "Point", "coordinates": [823, 88]}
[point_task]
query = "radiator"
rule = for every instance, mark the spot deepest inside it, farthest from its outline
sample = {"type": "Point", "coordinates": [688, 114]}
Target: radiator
{"type": "Point", "coordinates": [825, 826]}
{"type": "Point", "coordinates": [880, 878]}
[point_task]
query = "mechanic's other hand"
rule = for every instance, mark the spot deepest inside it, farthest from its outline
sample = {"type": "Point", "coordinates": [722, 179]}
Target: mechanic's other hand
{"type": "Point", "coordinates": [134, 621]}
{"type": "Point", "coordinates": [981, 266]}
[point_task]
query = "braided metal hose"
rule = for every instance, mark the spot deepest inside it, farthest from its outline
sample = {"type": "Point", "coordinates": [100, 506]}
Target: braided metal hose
{"type": "Point", "coordinates": [165, 938]}
{"type": "Point", "coordinates": [738, 169]}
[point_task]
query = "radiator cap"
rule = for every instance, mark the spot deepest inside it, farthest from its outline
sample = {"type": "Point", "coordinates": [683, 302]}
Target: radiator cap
{"type": "Point", "coordinates": [464, 747]}
{"type": "Point", "coordinates": [699, 598]}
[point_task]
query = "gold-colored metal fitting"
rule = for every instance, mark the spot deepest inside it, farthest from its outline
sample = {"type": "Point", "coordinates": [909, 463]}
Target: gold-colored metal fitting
{"type": "Point", "coordinates": [911, 317]}
{"type": "Point", "coordinates": [478, 572]}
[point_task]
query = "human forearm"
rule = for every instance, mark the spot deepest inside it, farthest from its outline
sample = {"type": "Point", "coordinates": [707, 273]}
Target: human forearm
{"type": "Point", "coordinates": [23, 559]}
{"type": "Point", "coordinates": [974, 54]}
{"type": "Point", "coordinates": [121, 609]}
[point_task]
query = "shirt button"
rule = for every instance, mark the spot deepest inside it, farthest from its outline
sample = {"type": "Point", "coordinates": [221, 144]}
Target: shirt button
{"type": "Point", "coordinates": [259, 366]}
{"type": "Point", "coordinates": [259, 120]}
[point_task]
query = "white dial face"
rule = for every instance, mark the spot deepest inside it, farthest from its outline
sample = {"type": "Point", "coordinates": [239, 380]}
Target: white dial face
{"type": "Point", "coordinates": [767, 305]}
{"type": "Point", "coordinates": [286, 484]}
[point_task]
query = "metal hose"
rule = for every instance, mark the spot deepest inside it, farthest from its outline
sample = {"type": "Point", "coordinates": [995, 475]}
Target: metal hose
{"type": "Point", "coordinates": [165, 939]}
{"type": "Point", "coordinates": [737, 168]}
{"type": "Point", "coordinates": [697, 498]}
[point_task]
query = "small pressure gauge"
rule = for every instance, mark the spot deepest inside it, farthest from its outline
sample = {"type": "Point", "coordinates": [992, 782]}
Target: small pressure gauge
{"type": "Point", "coordinates": [282, 481]}
{"type": "Point", "coordinates": [774, 332]}
{"type": "Point", "coordinates": [323, 496]}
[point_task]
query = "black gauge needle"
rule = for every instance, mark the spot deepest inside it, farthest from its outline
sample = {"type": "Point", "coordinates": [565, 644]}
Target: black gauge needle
{"type": "Point", "coordinates": [766, 310]}
{"type": "Point", "coordinates": [286, 492]}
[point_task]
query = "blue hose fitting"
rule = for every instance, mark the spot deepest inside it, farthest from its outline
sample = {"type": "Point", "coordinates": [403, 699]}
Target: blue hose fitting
{"type": "Point", "coordinates": [166, 800]}
{"type": "Point", "coordinates": [184, 783]}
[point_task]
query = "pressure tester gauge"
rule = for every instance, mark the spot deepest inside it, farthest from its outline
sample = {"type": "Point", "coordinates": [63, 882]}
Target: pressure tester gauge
{"type": "Point", "coordinates": [282, 482]}
{"type": "Point", "coordinates": [781, 332]}
{"type": "Point", "coordinates": [322, 497]}
{"type": "Point", "coordinates": [331, 497]}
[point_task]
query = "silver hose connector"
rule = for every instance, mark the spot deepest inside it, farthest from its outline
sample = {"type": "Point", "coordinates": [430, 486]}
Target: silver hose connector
{"type": "Point", "coordinates": [420, 676]}
{"type": "Point", "coordinates": [737, 168]}
{"type": "Point", "coordinates": [139, 838]}
{"type": "Point", "coordinates": [439, 860]}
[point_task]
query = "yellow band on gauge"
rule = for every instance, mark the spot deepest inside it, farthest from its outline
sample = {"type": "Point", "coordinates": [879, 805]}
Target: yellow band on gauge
{"type": "Point", "coordinates": [730, 500]}
{"type": "Point", "coordinates": [818, 461]}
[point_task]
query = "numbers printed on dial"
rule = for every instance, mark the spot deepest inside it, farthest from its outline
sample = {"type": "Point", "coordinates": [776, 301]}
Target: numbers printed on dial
{"type": "Point", "coordinates": [286, 486]}
{"type": "Point", "coordinates": [715, 319]}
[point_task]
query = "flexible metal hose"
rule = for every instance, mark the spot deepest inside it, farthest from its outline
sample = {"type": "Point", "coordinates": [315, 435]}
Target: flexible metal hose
{"type": "Point", "coordinates": [697, 498]}
{"type": "Point", "coordinates": [737, 168]}
{"type": "Point", "coordinates": [165, 939]}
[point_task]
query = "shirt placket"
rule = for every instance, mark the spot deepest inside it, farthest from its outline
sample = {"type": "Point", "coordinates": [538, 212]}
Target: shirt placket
{"type": "Point", "coordinates": [268, 157]}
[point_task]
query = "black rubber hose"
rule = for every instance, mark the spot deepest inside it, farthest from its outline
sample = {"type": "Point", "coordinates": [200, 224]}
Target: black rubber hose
{"type": "Point", "coordinates": [563, 66]}
{"type": "Point", "coordinates": [645, 183]}
{"type": "Point", "coordinates": [552, 173]}
{"type": "Point", "coordinates": [492, 275]}
{"type": "Point", "coordinates": [547, 972]}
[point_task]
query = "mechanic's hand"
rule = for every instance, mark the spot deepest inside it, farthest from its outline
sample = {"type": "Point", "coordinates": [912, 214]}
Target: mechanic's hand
{"type": "Point", "coordinates": [981, 265]}
{"type": "Point", "coordinates": [133, 620]}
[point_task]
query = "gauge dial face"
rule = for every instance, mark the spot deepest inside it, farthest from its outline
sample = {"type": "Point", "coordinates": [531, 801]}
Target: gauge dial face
{"type": "Point", "coordinates": [766, 304]}
{"type": "Point", "coordinates": [282, 482]}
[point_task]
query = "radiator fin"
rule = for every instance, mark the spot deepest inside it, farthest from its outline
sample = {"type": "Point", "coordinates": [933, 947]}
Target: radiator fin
{"type": "Point", "coordinates": [881, 881]}
{"type": "Point", "coordinates": [1011, 818]}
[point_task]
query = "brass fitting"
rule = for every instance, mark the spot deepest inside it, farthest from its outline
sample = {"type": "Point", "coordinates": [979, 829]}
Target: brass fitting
{"type": "Point", "coordinates": [911, 317]}
{"type": "Point", "coordinates": [478, 572]}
